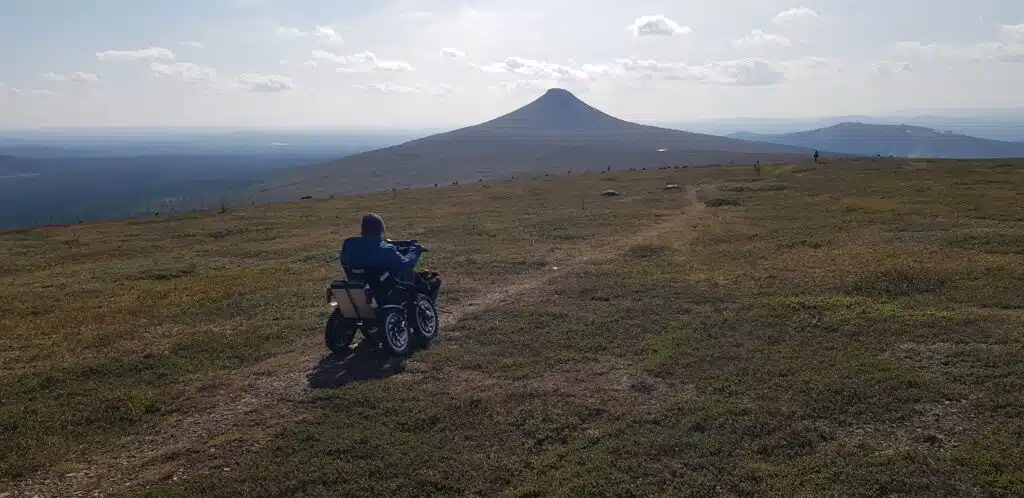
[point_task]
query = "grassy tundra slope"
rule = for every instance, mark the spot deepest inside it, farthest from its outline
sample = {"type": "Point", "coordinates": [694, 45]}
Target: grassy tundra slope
{"type": "Point", "coordinates": [853, 328]}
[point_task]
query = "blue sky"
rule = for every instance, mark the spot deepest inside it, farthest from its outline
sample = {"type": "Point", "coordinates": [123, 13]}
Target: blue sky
{"type": "Point", "coordinates": [412, 63]}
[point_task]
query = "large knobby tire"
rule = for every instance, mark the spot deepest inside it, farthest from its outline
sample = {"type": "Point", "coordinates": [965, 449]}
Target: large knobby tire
{"type": "Point", "coordinates": [394, 332]}
{"type": "Point", "coordinates": [339, 332]}
{"type": "Point", "coordinates": [425, 322]}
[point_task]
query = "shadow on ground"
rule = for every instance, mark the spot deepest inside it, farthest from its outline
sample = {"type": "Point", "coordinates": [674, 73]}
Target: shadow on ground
{"type": "Point", "coordinates": [364, 362]}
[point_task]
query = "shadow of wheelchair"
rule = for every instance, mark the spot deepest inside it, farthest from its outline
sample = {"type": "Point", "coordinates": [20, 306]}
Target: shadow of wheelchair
{"type": "Point", "coordinates": [364, 362]}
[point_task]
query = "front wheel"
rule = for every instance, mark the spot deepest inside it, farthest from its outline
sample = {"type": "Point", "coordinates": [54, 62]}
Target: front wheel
{"type": "Point", "coordinates": [339, 332]}
{"type": "Point", "coordinates": [394, 329]}
{"type": "Point", "coordinates": [424, 319]}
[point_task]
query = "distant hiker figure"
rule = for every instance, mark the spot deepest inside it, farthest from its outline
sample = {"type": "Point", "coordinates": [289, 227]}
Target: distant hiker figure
{"type": "Point", "coordinates": [757, 168]}
{"type": "Point", "coordinates": [816, 157]}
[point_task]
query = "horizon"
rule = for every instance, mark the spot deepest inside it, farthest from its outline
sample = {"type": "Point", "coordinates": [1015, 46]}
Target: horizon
{"type": "Point", "coordinates": [995, 113]}
{"type": "Point", "coordinates": [415, 64]}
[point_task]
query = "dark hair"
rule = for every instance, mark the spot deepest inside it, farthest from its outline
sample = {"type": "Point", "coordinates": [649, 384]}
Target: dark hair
{"type": "Point", "coordinates": [372, 225]}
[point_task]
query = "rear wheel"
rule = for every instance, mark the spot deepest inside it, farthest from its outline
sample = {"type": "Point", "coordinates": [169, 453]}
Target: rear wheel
{"type": "Point", "coordinates": [424, 320]}
{"type": "Point", "coordinates": [394, 331]}
{"type": "Point", "coordinates": [339, 332]}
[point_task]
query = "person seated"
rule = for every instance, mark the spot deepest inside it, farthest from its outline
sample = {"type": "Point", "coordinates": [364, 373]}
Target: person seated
{"type": "Point", "coordinates": [371, 251]}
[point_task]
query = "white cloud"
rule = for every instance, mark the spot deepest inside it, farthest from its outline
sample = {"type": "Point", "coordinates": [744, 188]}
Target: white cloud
{"type": "Point", "coordinates": [810, 66]}
{"type": "Point", "coordinates": [741, 72]}
{"type": "Point", "coordinates": [362, 62]}
{"type": "Point", "coordinates": [759, 39]}
{"type": "Point", "coordinates": [657, 25]}
{"type": "Point", "coordinates": [531, 86]}
{"type": "Point", "coordinates": [30, 93]}
{"type": "Point", "coordinates": [192, 44]}
{"type": "Point", "coordinates": [265, 82]}
{"type": "Point", "coordinates": [530, 67]}
{"type": "Point", "coordinates": [290, 32]}
{"type": "Point", "coordinates": [892, 68]}
{"type": "Point", "coordinates": [185, 71]}
{"type": "Point", "coordinates": [1012, 33]}
{"type": "Point", "coordinates": [325, 34]}
{"type": "Point", "coordinates": [1009, 47]}
{"type": "Point", "coordinates": [77, 77]}
{"type": "Point", "coordinates": [150, 53]}
{"type": "Point", "coordinates": [795, 14]}
{"type": "Point", "coordinates": [386, 65]}
{"type": "Point", "coordinates": [452, 53]}
{"type": "Point", "coordinates": [387, 87]}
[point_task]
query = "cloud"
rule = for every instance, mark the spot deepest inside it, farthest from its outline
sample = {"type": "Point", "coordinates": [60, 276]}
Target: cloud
{"type": "Point", "coordinates": [266, 83]}
{"type": "Point", "coordinates": [19, 92]}
{"type": "Point", "coordinates": [1012, 33]}
{"type": "Point", "coordinates": [530, 67]}
{"type": "Point", "coordinates": [387, 87]}
{"type": "Point", "coordinates": [892, 68]}
{"type": "Point", "coordinates": [362, 62]}
{"type": "Point", "coordinates": [192, 44]}
{"type": "Point", "coordinates": [325, 34]}
{"type": "Point", "coordinates": [1008, 47]}
{"type": "Point", "coordinates": [290, 32]}
{"type": "Point", "coordinates": [77, 77]}
{"type": "Point", "coordinates": [185, 71]}
{"type": "Point", "coordinates": [759, 39]}
{"type": "Point", "coordinates": [741, 72]}
{"type": "Point", "coordinates": [452, 53]}
{"type": "Point", "coordinates": [795, 14]}
{"type": "Point", "coordinates": [657, 25]}
{"type": "Point", "coordinates": [527, 85]}
{"type": "Point", "coordinates": [150, 53]}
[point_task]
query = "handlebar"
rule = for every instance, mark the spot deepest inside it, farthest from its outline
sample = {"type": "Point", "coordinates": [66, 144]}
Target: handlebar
{"type": "Point", "coordinates": [406, 244]}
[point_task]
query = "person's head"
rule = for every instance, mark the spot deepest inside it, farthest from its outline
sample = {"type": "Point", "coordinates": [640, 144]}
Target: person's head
{"type": "Point", "coordinates": [373, 225]}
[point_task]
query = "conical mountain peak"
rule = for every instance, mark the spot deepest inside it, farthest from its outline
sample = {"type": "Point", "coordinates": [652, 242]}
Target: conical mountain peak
{"type": "Point", "coordinates": [556, 110]}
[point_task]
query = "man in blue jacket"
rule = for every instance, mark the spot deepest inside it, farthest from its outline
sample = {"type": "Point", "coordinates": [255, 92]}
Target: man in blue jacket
{"type": "Point", "coordinates": [372, 250]}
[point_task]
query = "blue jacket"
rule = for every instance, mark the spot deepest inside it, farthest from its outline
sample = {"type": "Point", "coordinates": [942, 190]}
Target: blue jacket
{"type": "Point", "coordinates": [366, 252]}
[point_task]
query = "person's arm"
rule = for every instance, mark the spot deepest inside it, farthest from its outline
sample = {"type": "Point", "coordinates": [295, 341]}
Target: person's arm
{"type": "Point", "coordinates": [344, 253]}
{"type": "Point", "coordinates": [398, 262]}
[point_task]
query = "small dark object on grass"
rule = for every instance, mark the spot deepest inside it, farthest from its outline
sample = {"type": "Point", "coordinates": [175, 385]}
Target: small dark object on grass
{"type": "Point", "coordinates": [307, 197]}
{"type": "Point", "coordinates": [609, 193]}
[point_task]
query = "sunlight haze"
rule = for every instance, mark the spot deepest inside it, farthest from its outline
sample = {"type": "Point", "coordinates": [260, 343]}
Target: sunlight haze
{"type": "Point", "coordinates": [422, 63]}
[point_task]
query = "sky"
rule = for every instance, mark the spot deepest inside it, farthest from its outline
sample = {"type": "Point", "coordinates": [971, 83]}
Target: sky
{"type": "Point", "coordinates": [444, 63]}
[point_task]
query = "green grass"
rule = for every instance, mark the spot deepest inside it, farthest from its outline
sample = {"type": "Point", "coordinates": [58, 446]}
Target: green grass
{"type": "Point", "coordinates": [825, 339]}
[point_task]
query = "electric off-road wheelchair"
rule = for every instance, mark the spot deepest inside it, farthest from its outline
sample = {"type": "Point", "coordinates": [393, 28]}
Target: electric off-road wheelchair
{"type": "Point", "coordinates": [391, 312]}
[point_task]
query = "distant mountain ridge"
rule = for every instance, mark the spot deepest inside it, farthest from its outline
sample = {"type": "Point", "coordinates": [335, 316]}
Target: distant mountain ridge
{"type": "Point", "coordinates": [556, 132]}
{"type": "Point", "coordinates": [896, 140]}
{"type": "Point", "coordinates": [1006, 124]}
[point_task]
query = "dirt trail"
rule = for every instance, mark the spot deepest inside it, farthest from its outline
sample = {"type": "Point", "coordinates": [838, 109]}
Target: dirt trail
{"type": "Point", "coordinates": [235, 412]}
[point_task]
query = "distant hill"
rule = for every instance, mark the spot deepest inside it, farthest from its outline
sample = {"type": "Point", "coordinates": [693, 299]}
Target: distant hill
{"type": "Point", "coordinates": [895, 140]}
{"type": "Point", "coordinates": [63, 190]}
{"type": "Point", "coordinates": [1005, 124]}
{"type": "Point", "coordinates": [555, 133]}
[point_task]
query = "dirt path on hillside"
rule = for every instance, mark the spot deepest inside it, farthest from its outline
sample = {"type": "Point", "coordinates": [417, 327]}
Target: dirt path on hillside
{"type": "Point", "coordinates": [235, 413]}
